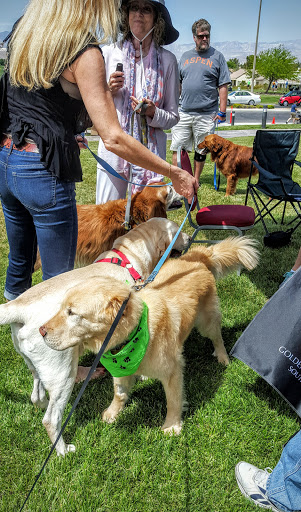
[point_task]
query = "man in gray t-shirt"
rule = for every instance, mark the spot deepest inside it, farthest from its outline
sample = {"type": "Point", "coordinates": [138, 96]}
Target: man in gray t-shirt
{"type": "Point", "coordinates": [204, 77]}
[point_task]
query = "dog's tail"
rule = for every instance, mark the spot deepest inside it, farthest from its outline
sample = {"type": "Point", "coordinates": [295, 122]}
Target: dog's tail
{"type": "Point", "coordinates": [9, 314]}
{"type": "Point", "coordinates": [232, 253]}
{"type": "Point", "coordinates": [227, 256]}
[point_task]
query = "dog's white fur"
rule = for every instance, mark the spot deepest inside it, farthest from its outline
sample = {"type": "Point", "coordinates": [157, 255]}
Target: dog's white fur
{"type": "Point", "coordinates": [182, 296]}
{"type": "Point", "coordinates": [56, 371]}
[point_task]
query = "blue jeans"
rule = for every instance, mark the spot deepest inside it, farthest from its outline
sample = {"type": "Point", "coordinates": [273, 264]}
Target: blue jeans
{"type": "Point", "coordinates": [38, 209]}
{"type": "Point", "coordinates": [284, 483]}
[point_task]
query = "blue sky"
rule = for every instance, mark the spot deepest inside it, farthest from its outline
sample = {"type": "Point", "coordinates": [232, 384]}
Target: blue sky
{"type": "Point", "coordinates": [234, 20]}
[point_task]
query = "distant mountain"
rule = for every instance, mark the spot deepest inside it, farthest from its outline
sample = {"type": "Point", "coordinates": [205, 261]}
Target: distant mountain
{"type": "Point", "coordinates": [230, 49]}
{"type": "Point", "coordinates": [235, 49]}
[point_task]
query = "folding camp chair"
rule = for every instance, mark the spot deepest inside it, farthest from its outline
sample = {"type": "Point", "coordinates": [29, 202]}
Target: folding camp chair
{"type": "Point", "coordinates": [274, 155]}
{"type": "Point", "coordinates": [237, 218]}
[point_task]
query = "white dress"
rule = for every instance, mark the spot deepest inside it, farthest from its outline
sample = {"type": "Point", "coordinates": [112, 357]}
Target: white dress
{"type": "Point", "coordinates": [166, 116]}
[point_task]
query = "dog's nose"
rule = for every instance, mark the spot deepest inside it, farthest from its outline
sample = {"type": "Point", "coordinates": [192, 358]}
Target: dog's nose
{"type": "Point", "coordinates": [43, 331]}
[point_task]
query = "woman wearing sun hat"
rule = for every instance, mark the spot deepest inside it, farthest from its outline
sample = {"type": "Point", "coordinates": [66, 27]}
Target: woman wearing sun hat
{"type": "Point", "coordinates": [149, 73]}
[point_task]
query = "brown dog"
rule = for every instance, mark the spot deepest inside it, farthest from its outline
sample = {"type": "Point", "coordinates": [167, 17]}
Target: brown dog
{"type": "Point", "coordinates": [182, 296]}
{"type": "Point", "coordinates": [100, 224]}
{"type": "Point", "coordinates": [231, 159]}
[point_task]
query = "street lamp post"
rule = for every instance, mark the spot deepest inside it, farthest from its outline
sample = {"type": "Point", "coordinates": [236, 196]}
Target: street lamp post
{"type": "Point", "coordinates": [255, 52]}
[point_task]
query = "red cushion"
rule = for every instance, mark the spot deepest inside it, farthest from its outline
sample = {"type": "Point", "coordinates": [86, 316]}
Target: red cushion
{"type": "Point", "coordinates": [226, 215]}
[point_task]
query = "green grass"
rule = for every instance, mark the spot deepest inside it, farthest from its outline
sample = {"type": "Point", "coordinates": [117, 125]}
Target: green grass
{"type": "Point", "coordinates": [131, 466]}
{"type": "Point", "coordinates": [270, 99]}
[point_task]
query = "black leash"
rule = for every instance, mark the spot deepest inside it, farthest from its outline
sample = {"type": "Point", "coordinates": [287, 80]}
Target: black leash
{"type": "Point", "coordinates": [82, 389]}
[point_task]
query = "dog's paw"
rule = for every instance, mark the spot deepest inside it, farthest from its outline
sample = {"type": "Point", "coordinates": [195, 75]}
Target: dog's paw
{"type": "Point", "coordinates": [63, 450]}
{"type": "Point", "coordinates": [222, 358]}
{"type": "Point", "coordinates": [173, 429]}
{"type": "Point", "coordinates": [109, 416]}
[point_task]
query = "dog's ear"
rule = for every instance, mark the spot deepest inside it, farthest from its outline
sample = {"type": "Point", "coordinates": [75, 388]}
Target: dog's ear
{"type": "Point", "coordinates": [162, 244]}
{"type": "Point", "coordinates": [158, 209]}
{"type": "Point", "coordinates": [213, 141]}
{"type": "Point", "coordinates": [114, 304]}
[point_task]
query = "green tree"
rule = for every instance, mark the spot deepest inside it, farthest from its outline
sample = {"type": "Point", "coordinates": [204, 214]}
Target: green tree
{"type": "Point", "coordinates": [248, 65]}
{"type": "Point", "coordinates": [233, 64]}
{"type": "Point", "coordinates": [277, 63]}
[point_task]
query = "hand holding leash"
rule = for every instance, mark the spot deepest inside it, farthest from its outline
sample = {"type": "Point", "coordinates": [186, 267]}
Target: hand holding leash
{"type": "Point", "coordinates": [220, 117]}
{"type": "Point", "coordinates": [81, 140]}
{"type": "Point", "coordinates": [148, 108]}
{"type": "Point", "coordinates": [183, 183]}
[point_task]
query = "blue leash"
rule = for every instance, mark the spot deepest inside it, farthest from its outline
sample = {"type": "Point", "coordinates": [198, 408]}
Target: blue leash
{"type": "Point", "coordinates": [114, 173]}
{"type": "Point", "coordinates": [162, 260]}
{"type": "Point", "coordinates": [216, 184]}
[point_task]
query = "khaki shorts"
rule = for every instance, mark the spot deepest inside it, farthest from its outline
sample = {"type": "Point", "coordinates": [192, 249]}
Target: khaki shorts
{"type": "Point", "coordinates": [191, 130]}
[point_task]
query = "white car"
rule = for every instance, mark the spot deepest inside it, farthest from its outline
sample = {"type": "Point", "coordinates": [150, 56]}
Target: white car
{"type": "Point", "coordinates": [245, 97]}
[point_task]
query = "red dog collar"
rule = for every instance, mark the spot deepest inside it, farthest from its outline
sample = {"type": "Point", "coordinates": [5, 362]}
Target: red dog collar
{"type": "Point", "coordinates": [122, 262]}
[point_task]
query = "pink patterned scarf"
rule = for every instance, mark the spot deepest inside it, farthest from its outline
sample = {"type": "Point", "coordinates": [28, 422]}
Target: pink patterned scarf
{"type": "Point", "coordinates": [153, 72]}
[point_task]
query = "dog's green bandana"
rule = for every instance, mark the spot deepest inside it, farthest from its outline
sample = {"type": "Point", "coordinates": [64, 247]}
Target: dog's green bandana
{"type": "Point", "coordinates": [127, 360]}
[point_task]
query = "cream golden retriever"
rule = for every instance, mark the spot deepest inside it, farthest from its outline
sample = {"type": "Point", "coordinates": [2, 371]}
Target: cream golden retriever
{"type": "Point", "coordinates": [55, 371]}
{"type": "Point", "coordinates": [182, 296]}
{"type": "Point", "coordinates": [100, 224]}
{"type": "Point", "coordinates": [231, 159]}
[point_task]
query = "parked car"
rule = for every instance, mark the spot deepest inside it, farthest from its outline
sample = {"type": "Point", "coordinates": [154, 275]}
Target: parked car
{"type": "Point", "coordinates": [244, 97]}
{"type": "Point", "coordinates": [290, 97]}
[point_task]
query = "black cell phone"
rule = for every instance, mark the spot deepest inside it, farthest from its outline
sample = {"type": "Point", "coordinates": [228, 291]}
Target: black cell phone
{"type": "Point", "coordinates": [119, 66]}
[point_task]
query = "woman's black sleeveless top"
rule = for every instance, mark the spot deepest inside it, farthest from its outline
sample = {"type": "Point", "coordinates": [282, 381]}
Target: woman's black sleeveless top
{"type": "Point", "coordinates": [51, 118]}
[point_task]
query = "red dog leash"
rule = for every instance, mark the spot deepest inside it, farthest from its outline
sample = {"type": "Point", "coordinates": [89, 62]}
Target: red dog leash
{"type": "Point", "coordinates": [122, 261]}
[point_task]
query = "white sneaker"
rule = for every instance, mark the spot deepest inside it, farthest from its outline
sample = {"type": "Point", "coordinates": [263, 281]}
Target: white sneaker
{"type": "Point", "coordinates": [252, 483]}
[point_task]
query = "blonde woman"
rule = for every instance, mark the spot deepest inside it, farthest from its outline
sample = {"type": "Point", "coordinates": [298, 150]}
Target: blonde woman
{"type": "Point", "coordinates": [56, 80]}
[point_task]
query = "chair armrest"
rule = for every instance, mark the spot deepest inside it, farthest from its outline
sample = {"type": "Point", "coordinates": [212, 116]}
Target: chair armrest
{"type": "Point", "coordinates": [297, 162]}
{"type": "Point", "coordinates": [266, 173]}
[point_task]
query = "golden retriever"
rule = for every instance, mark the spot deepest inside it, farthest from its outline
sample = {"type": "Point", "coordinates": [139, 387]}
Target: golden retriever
{"type": "Point", "coordinates": [182, 296]}
{"type": "Point", "coordinates": [100, 224]}
{"type": "Point", "coordinates": [231, 159]}
{"type": "Point", "coordinates": [54, 371]}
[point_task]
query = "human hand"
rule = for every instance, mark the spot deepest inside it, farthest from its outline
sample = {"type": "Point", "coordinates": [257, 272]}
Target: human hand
{"type": "Point", "coordinates": [220, 117]}
{"type": "Point", "coordinates": [149, 110]}
{"type": "Point", "coordinates": [116, 81]}
{"type": "Point", "coordinates": [81, 140]}
{"type": "Point", "coordinates": [183, 183]}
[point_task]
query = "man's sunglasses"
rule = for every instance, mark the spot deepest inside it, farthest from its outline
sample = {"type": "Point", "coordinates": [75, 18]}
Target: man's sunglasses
{"type": "Point", "coordinates": [202, 36]}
